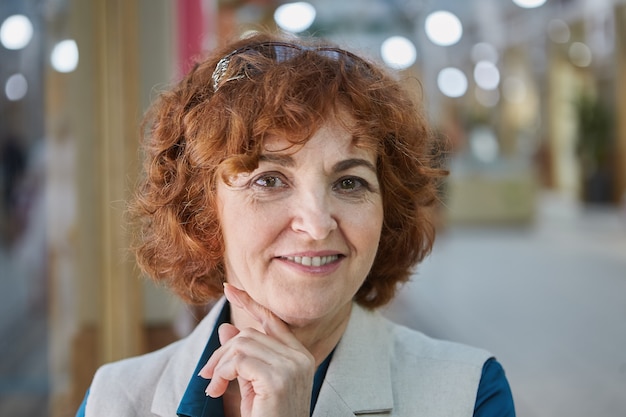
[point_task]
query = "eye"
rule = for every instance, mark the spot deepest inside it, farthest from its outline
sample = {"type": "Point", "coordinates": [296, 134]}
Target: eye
{"type": "Point", "coordinates": [350, 184]}
{"type": "Point", "coordinates": [269, 181]}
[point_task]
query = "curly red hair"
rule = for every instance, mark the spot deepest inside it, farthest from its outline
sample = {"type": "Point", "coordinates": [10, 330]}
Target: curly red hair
{"type": "Point", "coordinates": [195, 133]}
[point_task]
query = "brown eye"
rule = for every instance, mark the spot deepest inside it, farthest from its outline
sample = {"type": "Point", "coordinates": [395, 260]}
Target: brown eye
{"type": "Point", "coordinates": [269, 181]}
{"type": "Point", "coordinates": [350, 184]}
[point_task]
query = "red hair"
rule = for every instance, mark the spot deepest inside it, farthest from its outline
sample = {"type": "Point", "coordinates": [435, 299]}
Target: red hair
{"type": "Point", "coordinates": [195, 134]}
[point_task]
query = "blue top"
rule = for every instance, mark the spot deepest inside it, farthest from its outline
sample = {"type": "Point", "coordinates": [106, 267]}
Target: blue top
{"type": "Point", "coordinates": [494, 398]}
{"type": "Point", "coordinates": [196, 403]}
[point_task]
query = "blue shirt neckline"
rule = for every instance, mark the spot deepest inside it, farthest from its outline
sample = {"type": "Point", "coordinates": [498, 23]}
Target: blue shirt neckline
{"type": "Point", "coordinates": [195, 402]}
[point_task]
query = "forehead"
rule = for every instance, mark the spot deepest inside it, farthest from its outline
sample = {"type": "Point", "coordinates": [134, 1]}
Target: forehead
{"type": "Point", "coordinates": [333, 140]}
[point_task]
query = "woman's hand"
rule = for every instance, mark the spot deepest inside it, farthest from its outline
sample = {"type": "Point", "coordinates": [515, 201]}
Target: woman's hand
{"type": "Point", "coordinates": [273, 369]}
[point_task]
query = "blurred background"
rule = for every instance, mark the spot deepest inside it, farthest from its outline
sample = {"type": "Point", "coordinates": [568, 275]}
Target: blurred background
{"type": "Point", "coordinates": [531, 257]}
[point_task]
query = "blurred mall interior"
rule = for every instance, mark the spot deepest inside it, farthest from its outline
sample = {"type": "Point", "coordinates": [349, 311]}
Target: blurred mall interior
{"type": "Point", "coordinates": [530, 262]}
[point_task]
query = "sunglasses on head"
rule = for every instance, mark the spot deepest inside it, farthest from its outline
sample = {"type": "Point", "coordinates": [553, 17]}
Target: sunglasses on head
{"type": "Point", "coordinates": [281, 52]}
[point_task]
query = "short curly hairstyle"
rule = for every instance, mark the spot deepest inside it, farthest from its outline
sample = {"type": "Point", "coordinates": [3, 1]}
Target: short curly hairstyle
{"type": "Point", "coordinates": [214, 121]}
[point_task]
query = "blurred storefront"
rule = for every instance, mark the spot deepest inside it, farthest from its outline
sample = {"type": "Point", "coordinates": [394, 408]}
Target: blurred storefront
{"type": "Point", "coordinates": [529, 100]}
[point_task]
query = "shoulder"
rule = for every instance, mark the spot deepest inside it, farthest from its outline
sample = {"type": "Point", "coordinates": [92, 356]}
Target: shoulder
{"type": "Point", "coordinates": [154, 381]}
{"type": "Point", "coordinates": [410, 343]}
{"type": "Point", "coordinates": [415, 347]}
{"type": "Point", "coordinates": [138, 369]}
{"type": "Point", "coordinates": [438, 361]}
{"type": "Point", "coordinates": [426, 375]}
{"type": "Point", "coordinates": [468, 379]}
{"type": "Point", "coordinates": [127, 387]}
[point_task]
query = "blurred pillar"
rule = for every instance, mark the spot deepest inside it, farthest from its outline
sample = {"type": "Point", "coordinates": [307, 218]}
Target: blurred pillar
{"type": "Point", "coordinates": [61, 231]}
{"type": "Point", "coordinates": [561, 129]}
{"type": "Point", "coordinates": [126, 47]}
{"type": "Point", "coordinates": [565, 84]}
{"type": "Point", "coordinates": [519, 115]}
{"type": "Point", "coordinates": [103, 113]}
{"type": "Point", "coordinates": [620, 56]}
{"type": "Point", "coordinates": [117, 95]}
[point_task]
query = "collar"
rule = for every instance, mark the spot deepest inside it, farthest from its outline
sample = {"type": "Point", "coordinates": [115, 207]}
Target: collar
{"type": "Point", "coordinates": [171, 385]}
{"type": "Point", "coordinates": [351, 388]}
{"type": "Point", "coordinates": [195, 401]}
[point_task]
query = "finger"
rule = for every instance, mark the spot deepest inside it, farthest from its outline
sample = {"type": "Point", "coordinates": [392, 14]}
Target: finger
{"type": "Point", "coordinates": [251, 342]}
{"type": "Point", "coordinates": [226, 332]}
{"type": "Point", "coordinates": [217, 386]}
{"type": "Point", "coordinates": [247, 370]}
{"type": "Point", "coordinates": [271, 324]}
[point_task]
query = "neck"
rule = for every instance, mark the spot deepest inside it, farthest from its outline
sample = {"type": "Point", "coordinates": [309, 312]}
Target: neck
{"type": "Point", "coordinates": [319, 336]}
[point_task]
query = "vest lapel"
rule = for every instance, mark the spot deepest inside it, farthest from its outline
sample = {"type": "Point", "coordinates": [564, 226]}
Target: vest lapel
{"type": "Point", "coordinates": [358, 380]}
{"type": "Point", "coordinates": [179, 369]}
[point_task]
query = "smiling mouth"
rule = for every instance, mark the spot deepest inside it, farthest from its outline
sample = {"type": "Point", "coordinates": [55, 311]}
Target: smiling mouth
{"type": "Point", "coordinates": [312, 260]}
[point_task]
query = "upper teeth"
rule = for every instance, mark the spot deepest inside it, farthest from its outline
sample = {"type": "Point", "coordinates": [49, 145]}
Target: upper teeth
{"type": "Point", "coordinates": [313, 260]}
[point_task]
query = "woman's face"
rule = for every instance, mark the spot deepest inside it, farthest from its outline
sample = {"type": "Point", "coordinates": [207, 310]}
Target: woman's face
{"type": "Point", "coordinates": [301, 231]}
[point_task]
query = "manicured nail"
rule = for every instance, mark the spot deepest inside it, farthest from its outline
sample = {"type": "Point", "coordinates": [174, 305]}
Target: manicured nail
{"type": "Point", "coordinates": [233, 296]}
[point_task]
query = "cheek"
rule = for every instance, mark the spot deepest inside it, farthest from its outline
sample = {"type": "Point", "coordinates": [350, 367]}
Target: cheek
{"type": "Point", "coordinates": [248, 228]}
{"type": "Point", "coordinates": [365, 226]}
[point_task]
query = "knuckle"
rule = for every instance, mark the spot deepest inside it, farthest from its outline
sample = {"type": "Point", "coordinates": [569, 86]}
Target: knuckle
{"type": "Point", "coordinates": [247, 333]}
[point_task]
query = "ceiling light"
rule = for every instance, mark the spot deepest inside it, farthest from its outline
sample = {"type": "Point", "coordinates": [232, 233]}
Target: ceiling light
{"type": "Point", "coordinates": [398, 52]}
{"type": "Point", "coordinates": [529, 4]}
{"type": "Point", "coordinates": [443, 28]}
{"type": "Point", "coordinates": [64, 57]}
{"type": "Point", "coordinates": [558, 31]}
{"type": "Point", "coordinates": [16, 87]}
{"type": "Point", "coordinates": [580, 54]}
{"type": "Point", "coordinates": [16, 32]}
{"type": "Point", "coordinates": [295, 17]}
{"type": "Point", "coordinates": [486, 75]}
{"type": "Point", "coordinates": [452, 82]}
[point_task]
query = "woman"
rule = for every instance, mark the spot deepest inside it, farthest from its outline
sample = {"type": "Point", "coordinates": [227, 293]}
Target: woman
{"type": "Point", "coordinates": [294, 178]}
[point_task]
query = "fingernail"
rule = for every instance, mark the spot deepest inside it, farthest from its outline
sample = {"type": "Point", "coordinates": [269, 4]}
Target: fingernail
{"type": "Point", "coordinates": [233, 297]}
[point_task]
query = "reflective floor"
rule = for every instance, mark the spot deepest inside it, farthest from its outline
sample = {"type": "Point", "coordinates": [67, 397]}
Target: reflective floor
{"type": "Point", "coordinates": [548, 300]}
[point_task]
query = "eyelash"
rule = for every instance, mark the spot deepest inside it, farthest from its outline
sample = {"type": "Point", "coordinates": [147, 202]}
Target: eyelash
{"type": "Point", "coordinates": [271, 176]}
{"type": "Point", "coordinates": [359, 184]}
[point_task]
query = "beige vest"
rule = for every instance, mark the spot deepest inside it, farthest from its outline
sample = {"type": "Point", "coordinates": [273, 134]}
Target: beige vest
{"type": "Point", "coordinates": [378, 369]}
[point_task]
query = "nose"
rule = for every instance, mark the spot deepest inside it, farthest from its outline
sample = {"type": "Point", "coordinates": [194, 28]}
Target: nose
{"type": "Point", "coordinates": [313, 214]}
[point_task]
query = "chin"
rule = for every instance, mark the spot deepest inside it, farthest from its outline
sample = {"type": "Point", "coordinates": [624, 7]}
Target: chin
{"type": "Point", "coordinates": [303, 314]}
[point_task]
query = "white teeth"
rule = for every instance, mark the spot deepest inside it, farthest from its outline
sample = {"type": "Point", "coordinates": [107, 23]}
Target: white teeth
{"type": "Point", "coordinates": [312, 260]}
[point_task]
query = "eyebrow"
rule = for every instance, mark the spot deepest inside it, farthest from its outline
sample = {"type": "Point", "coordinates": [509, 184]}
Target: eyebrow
{"type": "Point", "coordinates": [352, 163]}
{"type": "Point", "coordinates": [283, 160]}
{"type": "Point", "coordinates": [288, 161]}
